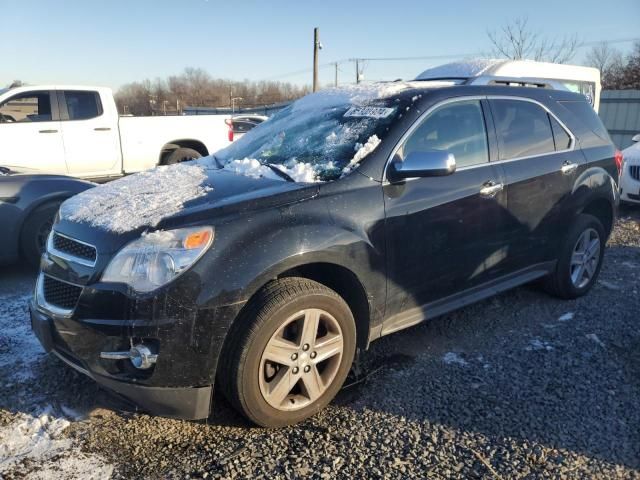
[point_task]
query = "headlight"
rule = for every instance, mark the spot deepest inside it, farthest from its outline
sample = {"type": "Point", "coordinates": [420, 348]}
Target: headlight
{"type": "Point", "coordinates": [156, 258]}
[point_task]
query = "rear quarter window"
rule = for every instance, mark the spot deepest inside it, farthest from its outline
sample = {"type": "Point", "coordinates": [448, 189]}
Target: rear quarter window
{"type": "Point", "coordinates": [588, 116]}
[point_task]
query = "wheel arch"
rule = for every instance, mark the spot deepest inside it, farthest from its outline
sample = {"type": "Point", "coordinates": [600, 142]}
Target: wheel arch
{"type": "Point", "coordinates": [603, 210]}
{"type": "Point", "coordinates": [194, 144]}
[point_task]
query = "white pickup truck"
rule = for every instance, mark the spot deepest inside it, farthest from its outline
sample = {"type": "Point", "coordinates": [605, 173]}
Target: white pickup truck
{"type": "Point", "coordinates": [77, 131]}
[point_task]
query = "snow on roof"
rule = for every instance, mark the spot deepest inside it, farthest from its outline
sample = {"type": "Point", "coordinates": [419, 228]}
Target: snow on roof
{"type": "Point", "coordinates": [140, 200]}
{"type": "Point", "coordinates": [463, 69]}
{"type": "Point", "coordinates": [511, 68]}
{"type": "Point", "coordinates": [359, 94]}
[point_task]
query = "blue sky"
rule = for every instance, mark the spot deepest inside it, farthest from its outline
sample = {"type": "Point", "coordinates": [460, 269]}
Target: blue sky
{"type": "Point", "coordinates": [115, 42]}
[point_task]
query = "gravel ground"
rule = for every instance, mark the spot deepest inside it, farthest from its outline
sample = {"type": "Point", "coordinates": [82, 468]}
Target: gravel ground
{"type": "Point", "coordinates": [518, 386]}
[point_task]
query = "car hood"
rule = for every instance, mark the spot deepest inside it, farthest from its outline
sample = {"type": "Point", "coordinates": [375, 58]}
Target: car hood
{"type": "Point", "coordinates": [111, 215]}
{"type": "Point", "coordinates": [632, 154]}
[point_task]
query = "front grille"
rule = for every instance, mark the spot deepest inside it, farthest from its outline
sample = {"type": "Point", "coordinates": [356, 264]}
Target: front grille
{"type": "Point", "coordinates": [74, 248]}
{"type": "Point", "coordinates": [60, 294]}
{"type": "Point", "coordinates": [634, 171]}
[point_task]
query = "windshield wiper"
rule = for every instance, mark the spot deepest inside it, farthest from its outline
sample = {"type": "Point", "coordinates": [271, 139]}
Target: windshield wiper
{"type": "Point", "coordinates": [278, 172]}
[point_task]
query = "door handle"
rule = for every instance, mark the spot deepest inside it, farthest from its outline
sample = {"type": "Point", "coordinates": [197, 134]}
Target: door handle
{"type": "Point", "coordinates": [102, 129]}
{"type": "Point", "coordinates": [48, 131]}
{"type": "Point", "coordinates": [491, 189]}
{"type": "Point", "coordinates": [568, 167]}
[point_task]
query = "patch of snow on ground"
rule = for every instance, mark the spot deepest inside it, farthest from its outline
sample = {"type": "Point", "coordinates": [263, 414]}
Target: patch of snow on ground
{"type": "Point", "coordinates": [19, 348]}
{"type": "Point", "coordinates": [566, 317]}
{"type": "Point", "coordinates": [38, 438]}
{"type": "Point", "coordinates": [140, 200]}
{"type": "Point", "coordinates": [536, 344]}
{"type": "Point", "coordinates": [609, 285]}
{"type": "Point", "coordinates": [452, 358]}
{"type": "Point", "coordinates": [594, 338]}
{"type": "Point", "coordinates": [361, 153]}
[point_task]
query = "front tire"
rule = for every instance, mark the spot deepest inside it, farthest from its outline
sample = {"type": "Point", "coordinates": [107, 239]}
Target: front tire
{"type": "Point", "coordinates": [289, 353]}
{"type": "Point", "coordinates": [580, 259]}
{"type": "Point", "coordinates": [36, 229]}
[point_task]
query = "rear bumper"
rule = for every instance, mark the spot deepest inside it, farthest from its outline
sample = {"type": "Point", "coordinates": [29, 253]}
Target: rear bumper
{"type": "Point", "coordinates": [190, 403]}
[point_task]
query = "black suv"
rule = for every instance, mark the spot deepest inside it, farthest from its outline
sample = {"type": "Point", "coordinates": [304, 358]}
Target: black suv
{"type": "Point", "coordinates": [350, 214]}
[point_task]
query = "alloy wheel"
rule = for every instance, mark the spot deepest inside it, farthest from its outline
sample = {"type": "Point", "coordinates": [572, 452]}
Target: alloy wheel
{"type": "Point", "coordinates": [585, 258]}
{"type": "Point", "coordinates": [301, 359]}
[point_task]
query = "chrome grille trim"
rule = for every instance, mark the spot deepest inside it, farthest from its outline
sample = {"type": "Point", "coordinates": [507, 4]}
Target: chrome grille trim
{"type": "Point", "coordinates": [41, 300]}
{"type": "Point", "coordinates": [67, 256]}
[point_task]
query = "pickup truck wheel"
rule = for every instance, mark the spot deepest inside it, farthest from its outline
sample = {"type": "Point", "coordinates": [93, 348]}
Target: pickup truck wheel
{"type": "Point", "coordinates": [290, 354]}
{"type": "Point", "coordinates": [181, 155]}
{"type": "Point", "coordinates": [36, 229]}
{"type": "Point", "coordinates": [580, 259]}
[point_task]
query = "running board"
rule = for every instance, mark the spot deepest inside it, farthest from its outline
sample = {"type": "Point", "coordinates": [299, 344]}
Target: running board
{"type": "Point", "coordinates": [431, 310]}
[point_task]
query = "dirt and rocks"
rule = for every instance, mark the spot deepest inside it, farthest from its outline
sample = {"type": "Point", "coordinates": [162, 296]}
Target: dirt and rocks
{"type": "Point", "coordinates": [518, 386]}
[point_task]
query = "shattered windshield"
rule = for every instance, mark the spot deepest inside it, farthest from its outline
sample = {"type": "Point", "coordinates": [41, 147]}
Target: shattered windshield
{"type": "Point", "coordinates": [320, 137]}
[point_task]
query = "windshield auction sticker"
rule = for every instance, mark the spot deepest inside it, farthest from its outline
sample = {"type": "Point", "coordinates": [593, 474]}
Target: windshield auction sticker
{"type": "Point", "coordinates": [369, 112]}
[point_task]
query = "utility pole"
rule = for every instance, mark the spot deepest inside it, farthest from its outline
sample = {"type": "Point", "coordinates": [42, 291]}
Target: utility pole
{"type": "Point", "coordinates": [336, 77]}
{"type": "Point", "coordinates": [316, 46]}
{"type": "Point", "coordinates": [357, 71]}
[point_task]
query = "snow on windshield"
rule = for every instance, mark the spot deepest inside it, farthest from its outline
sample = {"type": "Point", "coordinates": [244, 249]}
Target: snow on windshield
{"type": "Point", "coordinates": [140, 200]}
{"type": "Point", "coordinates": [320, 137]}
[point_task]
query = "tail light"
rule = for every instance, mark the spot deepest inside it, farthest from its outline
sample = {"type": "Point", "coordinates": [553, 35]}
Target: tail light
{"type": "Point", "coordinates": [619, 160]}
{"type": "Point", "coordinates": [229, 123]}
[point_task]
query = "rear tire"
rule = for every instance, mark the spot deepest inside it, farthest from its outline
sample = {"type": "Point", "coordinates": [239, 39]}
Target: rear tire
{"type": "Point", "coordinates": [289, 353]}
{"type": "Point", "coordinates": [580, 259]}
{"type": "Point", "coordinates": [36, 229]}
{"type": "Point", "coordinates": [181, 155]}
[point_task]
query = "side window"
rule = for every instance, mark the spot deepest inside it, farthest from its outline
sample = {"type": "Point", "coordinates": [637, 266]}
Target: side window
{"type": "Point", "coordinates": [82, 105]}
{"type": "Point", "coordinates": [560, 136]}
{"type": "Point", "coordinates": [26, 107]}
{"type": "Point", "coordinates": [240, 126]}
{"type": "Point", "coordinates": [457, 128]}
{"type": "Point", "coordinates": [523, 129]}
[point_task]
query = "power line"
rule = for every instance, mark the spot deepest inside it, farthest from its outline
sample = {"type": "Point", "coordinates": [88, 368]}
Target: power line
{"type": "Point", "coordinates": [429, 57]}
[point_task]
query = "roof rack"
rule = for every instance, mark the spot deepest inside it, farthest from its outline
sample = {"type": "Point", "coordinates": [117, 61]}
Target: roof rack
{"type": "Point", "coordinates": [517, 82]}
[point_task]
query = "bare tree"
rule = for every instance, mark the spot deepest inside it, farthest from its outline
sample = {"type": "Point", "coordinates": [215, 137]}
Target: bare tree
{"type": "Point", "coordinates": [609, 61]}
{"type": "Point", "coordinates": [517, 41]}
{"type": "Point", "coordinates": [196, 88]}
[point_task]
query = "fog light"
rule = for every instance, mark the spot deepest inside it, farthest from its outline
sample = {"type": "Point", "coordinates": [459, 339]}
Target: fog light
{"type": "Point", "coordinates": [139, 355]}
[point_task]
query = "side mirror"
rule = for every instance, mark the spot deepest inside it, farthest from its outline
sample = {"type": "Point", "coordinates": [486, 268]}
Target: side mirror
{"type": "Point", "coordinates": [432, 163]}
{"type": "Point", "coordinates": [636, 138]}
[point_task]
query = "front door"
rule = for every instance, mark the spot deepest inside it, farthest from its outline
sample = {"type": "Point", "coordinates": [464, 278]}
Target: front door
{"type": "Point", "coordinates": [30, 133]}
{"type": "Point", "coordinates": [444, 234]}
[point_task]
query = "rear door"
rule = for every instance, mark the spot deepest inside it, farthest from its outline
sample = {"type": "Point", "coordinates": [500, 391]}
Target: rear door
{"type": "Point", "coordinates": [30, 132]}
{"type": "Point", "coordinates": [91, 139]}
{"type": "Point", "coordinates": [445, 234]}
{"type": "Point", "coordinates": [540, 166]}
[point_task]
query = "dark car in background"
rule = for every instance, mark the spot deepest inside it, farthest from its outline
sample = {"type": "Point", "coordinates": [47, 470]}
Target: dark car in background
{"type": "Point", "coordinates": [241, 124]}
{"type": "Point", "coordinates": [351, 214]}
{"type": "Point", "coordinates": [28, 205]}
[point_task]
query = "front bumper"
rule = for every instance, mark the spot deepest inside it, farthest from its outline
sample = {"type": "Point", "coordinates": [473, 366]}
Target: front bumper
{"type": "Point", "coordinates": [190, 403]}
{"type": "Point", "coordinates": [629, 186]}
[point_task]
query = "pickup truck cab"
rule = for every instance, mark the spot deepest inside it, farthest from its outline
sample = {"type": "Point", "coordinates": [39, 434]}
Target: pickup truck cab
{"type": "Point", "coordinates": [76, 130]}
{"type": "Point", "coordinates": [351, 214]}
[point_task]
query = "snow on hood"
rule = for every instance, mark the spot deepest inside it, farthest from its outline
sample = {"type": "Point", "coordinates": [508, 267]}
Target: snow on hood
{"type": "Point", "coordinates": [632, 153]}
{"type": "Point", "coordinates": [140, 200]}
